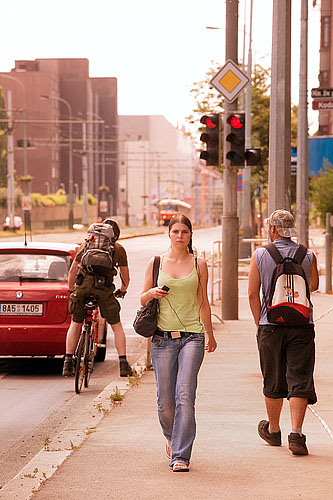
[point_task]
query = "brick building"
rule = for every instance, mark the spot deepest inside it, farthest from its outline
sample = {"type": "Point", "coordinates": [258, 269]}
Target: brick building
{"type": "Point", "coordinates": [66, 88]}
{"type": "Point", "coordinates": [326, 63]}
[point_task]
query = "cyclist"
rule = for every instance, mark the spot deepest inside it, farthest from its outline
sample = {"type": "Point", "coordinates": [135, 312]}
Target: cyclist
{"type": "Point", "coordinates": [107, 301]}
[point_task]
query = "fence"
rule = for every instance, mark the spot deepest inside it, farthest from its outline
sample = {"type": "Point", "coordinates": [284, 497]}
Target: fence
{"type": "Point", "coordinates": [215, 264]}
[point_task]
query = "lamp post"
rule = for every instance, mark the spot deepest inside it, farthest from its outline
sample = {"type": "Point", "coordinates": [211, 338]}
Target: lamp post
{"type": "Point", "coordinates": [24, 110]}
{"type": "Point", "coordinates": [25, 154]}
{"type": "Point", "coordinates": [70, 160]}
{"type": "Point", "coordinates": [96, 115]}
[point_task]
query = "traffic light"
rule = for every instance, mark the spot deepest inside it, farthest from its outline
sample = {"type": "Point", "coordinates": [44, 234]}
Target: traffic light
{"type": "Point", "coordinates": [211, 137]}
{"type": "Point", "coordinates": [236, 137]}
{"type": "Point", "coordinates": [253, 157]}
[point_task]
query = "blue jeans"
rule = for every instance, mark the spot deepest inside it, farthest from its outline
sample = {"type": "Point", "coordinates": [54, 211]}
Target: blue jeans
{"type": "Point", "coordinates": [176, 364]}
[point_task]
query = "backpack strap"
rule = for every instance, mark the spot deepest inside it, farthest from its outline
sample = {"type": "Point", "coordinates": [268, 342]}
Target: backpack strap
{"type": "Point", "coordinates": [300, 254]}
{"type": "Point", "coordinates": [156, 267]}
{"type": "Point", "coordinates": [274, 253]}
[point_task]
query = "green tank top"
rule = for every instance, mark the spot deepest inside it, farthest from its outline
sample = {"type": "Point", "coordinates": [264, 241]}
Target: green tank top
{"type": "Point", "coordinates": [179, 310]}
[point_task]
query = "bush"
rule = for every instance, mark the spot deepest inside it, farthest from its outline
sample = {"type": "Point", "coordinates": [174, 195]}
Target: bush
{"type": "Point", "coordinates": [17, 197]}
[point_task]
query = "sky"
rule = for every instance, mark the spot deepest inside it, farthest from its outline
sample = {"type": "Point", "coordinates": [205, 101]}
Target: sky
{"type": "Point", "coordinates": [156, 49]}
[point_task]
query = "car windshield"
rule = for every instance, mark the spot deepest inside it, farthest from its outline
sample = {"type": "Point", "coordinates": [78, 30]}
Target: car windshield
{"type": "Point", "coordinates": [34, 267]}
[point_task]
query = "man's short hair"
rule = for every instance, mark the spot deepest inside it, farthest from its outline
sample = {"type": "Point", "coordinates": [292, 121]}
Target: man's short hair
{"type": "Point", "coordinates": [284, 222]}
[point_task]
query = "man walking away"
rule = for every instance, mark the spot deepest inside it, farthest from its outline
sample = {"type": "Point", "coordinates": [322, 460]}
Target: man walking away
{"type": "Point", "coordinates": [286, 273]}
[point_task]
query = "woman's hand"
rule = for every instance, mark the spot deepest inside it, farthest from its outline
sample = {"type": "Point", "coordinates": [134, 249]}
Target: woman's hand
{"type": "Point", "coordinates": [211, 343]}
{"type": "Point", "coordinates": [158, 293]}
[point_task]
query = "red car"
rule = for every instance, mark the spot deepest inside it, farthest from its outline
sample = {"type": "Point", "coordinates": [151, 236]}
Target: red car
{"type": "Point", "coordinates": [34, 316]}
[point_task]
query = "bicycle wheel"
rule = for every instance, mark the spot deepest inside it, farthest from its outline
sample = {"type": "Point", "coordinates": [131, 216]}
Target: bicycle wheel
{"type": "Point", "coordinates": [80, 365]}
{"type": "Point", "coordinates": [90, 356]}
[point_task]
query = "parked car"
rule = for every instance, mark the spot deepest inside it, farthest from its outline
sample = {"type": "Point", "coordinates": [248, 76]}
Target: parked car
{"type": "Point", "coordinates": [18, 223]}
{"type": "Point", "coordinates": [34, 316]}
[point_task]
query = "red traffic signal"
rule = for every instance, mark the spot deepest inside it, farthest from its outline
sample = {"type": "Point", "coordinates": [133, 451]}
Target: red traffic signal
{"type": "Point", "coordinates": [236, 121]}
{"type": "Point", "coordinates": [236, 137]}
{"type": "Point", "coordinates": [210, 136]}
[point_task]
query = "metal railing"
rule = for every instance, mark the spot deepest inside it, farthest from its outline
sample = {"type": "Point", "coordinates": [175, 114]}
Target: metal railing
{"type": "Point", "coordinates": [215, 264]}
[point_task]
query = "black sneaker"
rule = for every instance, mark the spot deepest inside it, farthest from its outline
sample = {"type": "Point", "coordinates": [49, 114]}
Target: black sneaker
{"type": "Point", "coordinates": [297, 444]}
{"type": "Point", "coordinates": [68, 369]}
{"type": "Point", "coordinates": [272, 438]}
{"type": "Point", "coordinates": [125, 369]}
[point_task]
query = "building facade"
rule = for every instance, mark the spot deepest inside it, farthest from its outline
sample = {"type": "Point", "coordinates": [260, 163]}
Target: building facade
{"type": "Point", "coordinates": [326, 63]}
{"type": "Point", "coordinates": [62, 105]}
{"type": "Point", "coordinates": [158, 161]}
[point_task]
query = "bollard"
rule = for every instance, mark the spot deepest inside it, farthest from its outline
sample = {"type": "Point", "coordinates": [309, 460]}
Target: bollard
{"type": "Point", "coordinates": [328, 254]}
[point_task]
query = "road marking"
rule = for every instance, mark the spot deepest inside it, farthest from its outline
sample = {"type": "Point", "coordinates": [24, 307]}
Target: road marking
{"type": "Point", "coordinates": [322, 421]}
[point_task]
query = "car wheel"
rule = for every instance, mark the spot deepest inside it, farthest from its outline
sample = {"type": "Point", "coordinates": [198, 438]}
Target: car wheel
{"type": "Point", "coordinates": [101, 350]}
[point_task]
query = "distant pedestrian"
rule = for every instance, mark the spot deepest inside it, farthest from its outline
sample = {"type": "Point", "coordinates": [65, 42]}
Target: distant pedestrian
{"type": "Point", "coordinates": [287, 353]}
{"type": "Point", "coordinates": [179, 342]}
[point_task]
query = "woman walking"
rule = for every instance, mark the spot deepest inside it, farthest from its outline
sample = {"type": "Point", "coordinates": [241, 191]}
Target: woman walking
{"type": "Point", "coordinates": [179, 342]}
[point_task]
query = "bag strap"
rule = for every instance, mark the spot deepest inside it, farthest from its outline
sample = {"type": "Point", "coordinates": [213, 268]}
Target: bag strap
{"type": "Point", "coordinates": [300, 254]}
{"type": "Point", "coordinates": [156, 267]}
{"type": "Point", "coordinates": [274, 253]}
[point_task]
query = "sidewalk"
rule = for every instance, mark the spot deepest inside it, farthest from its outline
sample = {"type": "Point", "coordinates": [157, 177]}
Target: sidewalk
{"type": "Point", "coordinates": [124, 459]}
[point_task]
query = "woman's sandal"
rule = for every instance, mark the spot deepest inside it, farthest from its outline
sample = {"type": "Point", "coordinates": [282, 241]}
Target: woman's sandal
{"type": "Point", "coordinates": [180, 467]}
{"type": "Point", "coordinates": [168, 449]}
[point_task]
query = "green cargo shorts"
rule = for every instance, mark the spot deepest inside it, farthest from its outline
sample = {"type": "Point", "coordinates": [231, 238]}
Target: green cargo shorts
{"type": "Point", "coordinates": [108, 304]}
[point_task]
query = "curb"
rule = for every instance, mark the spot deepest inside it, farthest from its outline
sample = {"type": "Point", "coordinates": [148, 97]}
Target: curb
{"type": "Point", "coordinates": [45, 463]}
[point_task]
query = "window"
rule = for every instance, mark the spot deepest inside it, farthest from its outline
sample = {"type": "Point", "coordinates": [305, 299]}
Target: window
{"type": "Point", "coordinates": [323, 79]}
{"type": "Point", "coordinates": [325, 32]}
{"type": "Point", "coordinates": [33, 267]}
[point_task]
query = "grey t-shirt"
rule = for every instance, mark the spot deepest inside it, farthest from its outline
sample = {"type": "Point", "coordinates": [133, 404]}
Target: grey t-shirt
{"type": "Point", "coordinates": [266, 266]}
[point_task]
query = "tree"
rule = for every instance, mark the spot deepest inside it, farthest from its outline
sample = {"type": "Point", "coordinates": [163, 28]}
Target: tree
{"type": "Point", "coordinates": [321, 191]}
{"type": "Point", "coordinates": [3, 141]}
{"type": "Point", "coordinates": [208, 100]}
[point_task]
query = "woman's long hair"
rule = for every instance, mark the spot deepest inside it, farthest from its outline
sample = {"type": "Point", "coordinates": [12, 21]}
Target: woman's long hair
{"type": "Point", "coordinates": [182, 219]}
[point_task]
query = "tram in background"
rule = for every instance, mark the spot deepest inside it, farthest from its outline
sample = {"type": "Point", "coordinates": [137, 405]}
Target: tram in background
{"type": "Point", "coordinates": [170, 207]}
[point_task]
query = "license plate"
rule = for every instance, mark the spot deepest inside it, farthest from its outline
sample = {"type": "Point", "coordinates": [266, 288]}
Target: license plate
{"type": "Point", "coordinates": [21, 309]}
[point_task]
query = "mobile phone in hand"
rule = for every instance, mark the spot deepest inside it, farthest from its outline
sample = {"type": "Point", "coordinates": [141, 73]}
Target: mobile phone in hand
{"type": "Point", "coordinates": [165, 288]}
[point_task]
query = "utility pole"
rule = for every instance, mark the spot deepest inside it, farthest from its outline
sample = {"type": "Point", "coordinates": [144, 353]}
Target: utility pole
{"type": "Point", "coordinates": [279, 176]}
{"type": "Point", "coordinates": [10, 159]}
{"type": "Point", "coordinates": [245, 248]}
{"type": "Point", "coordinates": [302, 179]}
{"type": "Point", "coordinates": [229, 218]}
{"type": "Point", "coordinates": [84, 176]}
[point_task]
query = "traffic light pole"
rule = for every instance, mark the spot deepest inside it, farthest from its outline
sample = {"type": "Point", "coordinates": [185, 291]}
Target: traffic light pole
{"type": "Point", "coordinates": [245, 248]}
{"type": "Point", "coordinates": [302, 180]}
{"type": "Point", "coordinates": [279, 175]}
{"type": "Point", "coordinates": [229, 218]}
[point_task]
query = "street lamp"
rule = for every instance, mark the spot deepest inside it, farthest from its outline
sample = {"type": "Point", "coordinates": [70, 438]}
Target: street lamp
{"type": "Point", "coordinates": [27, 219]}
{"type": "Point", "coordinates": [96, 115]}
{"type": "Point", "coordinates": [70, 173]}
{"type": "Point", "coordinates": [24, 121]}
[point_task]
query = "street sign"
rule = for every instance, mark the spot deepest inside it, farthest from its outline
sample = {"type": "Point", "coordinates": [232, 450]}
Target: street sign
{"type": "Point", "coordinates": [26, 203]}
{"type": "Point", "coordinates": [239, 182]}
{"type": "Point", "coordinates": [103, 206]}
{"type": "Point", "coordinates": [230, 81]}
{"type": "Point", "coordinates": [321, 93]}
{"type": "Point", "coordinates": [322, 104]}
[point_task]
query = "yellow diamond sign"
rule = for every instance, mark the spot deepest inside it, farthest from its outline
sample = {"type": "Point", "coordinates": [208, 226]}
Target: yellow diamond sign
{"type": "Point", "coordinates": [230, 81]}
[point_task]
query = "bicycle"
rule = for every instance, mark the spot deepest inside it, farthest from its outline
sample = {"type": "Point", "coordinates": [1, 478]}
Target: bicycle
{"type": "Point", "coordinates": [86, 348]}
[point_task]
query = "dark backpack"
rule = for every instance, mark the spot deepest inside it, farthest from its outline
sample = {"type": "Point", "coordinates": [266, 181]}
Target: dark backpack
{"type": "Point", "coordinates": [289, 299]}
{"type": "Point", "coordinates": [98, 252]}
